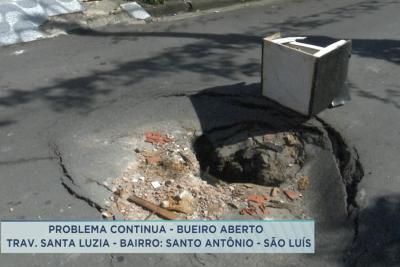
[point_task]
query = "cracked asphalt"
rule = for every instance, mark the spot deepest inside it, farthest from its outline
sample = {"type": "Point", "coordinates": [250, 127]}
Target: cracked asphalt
{"type": "Point", "coordinates": [78, 91]}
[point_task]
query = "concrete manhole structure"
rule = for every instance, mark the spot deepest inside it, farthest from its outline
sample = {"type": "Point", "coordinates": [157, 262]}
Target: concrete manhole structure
{"type": "Point", "coordinates": [221, 153]}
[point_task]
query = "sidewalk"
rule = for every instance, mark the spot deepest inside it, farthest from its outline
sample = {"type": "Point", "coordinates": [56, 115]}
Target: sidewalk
{"type": "Point", "coordinates": [20, 19]}
{"type": "Point", "coordinates": [30, 20]}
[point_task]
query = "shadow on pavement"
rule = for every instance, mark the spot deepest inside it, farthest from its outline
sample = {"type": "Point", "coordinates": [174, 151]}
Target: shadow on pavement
{"type": "Point", "coordinates": [6, 123]}
{"type": "Point", "coordinates": [378, 241]}
{"type": "Point", "coordinates": [212, 55]}
{"type": "Point", "coordinates": [300, 24]}
{"type": "Point", "coordinates": [242, 104]}
{"type": "Point", "coordinates": [212, 58]}
{"type": "Point", "coordinates": [391, 96]}
{"type": "Point", "coordinates": [231, 114]}
{"type": "Point", "coordinates": [385, 49]}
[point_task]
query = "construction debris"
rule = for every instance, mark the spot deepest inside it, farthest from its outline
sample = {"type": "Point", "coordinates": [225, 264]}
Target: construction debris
{"type": "Point", "coordinates": [156, 184]}
{"type": "Point", "coordinates": [292, 195]}
{"type": "Point", "coordinates": [106, 214]}
{"type": "Point", "coordinates": [274, 192]}
{"type": "Point", "coordinates": [278, 205]}
{"type": "Point", "coordinates": [257, 199]}
{"type": "Point", "coordinates": [163, 213]}
{"type": "Point", "coordinates": [156, 138]}
{"type": "Point", "coordinates": [153, 159]}
{"type": "Point", "coordinates": [303, 182]}
{"type": "Point", "coordinates": [290, 140]}
{"type": "Point", "coordinates": [167, 182]}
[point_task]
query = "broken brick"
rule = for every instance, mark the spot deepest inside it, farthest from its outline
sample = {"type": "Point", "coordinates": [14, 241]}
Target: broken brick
{"type": "Point", "coordinates": [248, 211]}
{"type": "Point", "coordinates": [256, 198]}
{"type": "Point", "coordinates": [156, 138]}
{"type": "Point", "coordinates": [263, 209]}
{"type": "Point", "coordinates": [153, 159]}
{"type": "Point", "coordinates": [292, 195]}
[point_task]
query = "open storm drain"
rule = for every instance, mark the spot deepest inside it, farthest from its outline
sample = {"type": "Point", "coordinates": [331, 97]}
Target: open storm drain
{"type": "Point", "coordinates": [245, 153]}
{"type": "Point", "coordinates": [237, 171]}
{"type": "Point", "coordinates": [260, 162]}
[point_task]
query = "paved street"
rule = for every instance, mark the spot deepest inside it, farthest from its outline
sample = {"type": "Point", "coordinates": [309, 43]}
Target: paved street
{"type": "Point", "coordinates": [91, 89]}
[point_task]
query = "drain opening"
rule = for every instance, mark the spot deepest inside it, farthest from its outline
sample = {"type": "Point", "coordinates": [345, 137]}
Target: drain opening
{"type": "Point", "coordinates": [251, 155]}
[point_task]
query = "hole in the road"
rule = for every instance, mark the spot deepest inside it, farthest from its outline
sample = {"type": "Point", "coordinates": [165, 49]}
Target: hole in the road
{"type": "Point", "coordinates": [250, 162]}
{"type": "Point", "coordinates": [250, 155]}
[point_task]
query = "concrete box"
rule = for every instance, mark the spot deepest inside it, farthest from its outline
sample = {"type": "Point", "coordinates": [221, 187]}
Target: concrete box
{"type": "Point", "coordinates": [303, 77]}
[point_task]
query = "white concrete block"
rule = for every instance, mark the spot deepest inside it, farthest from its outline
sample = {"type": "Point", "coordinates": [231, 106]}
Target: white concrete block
{"type": "Point", "coordinates": [135, 10]}
{"type": "Point", "coordinates": [303, 77]}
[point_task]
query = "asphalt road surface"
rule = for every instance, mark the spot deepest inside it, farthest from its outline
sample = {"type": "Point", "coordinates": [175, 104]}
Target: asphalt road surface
{"type": "Point", "coordinates": [73, 92]}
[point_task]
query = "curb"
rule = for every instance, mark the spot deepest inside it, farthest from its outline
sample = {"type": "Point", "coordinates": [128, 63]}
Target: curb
{"type": "Point", "coordinates": [172, 7]}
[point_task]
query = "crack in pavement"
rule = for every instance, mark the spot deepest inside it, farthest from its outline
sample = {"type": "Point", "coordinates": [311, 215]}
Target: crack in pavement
{"type": "Point", "coordinates": [70, 183]}
{"type": "Point", "coordinates": [351, 170]}
{"type": "Point", "coordinates": [198, 260]}
{"type": "Point", "coordinates": [58, 155]}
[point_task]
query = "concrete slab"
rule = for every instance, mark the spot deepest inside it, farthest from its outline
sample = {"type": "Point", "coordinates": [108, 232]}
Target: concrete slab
{"type": "Point", "coordinates": [20, 19]}
{"type": "Point", "coordinates": [59, 7]}
{"type": "Point", "coordinates": [135, 10]}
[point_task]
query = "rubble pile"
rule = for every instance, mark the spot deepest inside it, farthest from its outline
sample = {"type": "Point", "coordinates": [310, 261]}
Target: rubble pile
{"type": "Point", "coordinates": [168, 174]}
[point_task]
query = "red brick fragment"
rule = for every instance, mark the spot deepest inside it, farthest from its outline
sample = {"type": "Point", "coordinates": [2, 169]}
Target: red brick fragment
{"type": "Point", "coordinates": [156, 138]}
{"type": "Point", "coordinates": [257, 199]}
{"type": "Point", "coordinates": [248, 211]}
{"type": "Point", "coordinates": [263, 209]}
{"type": "Point", "coordinates": [292, 195]}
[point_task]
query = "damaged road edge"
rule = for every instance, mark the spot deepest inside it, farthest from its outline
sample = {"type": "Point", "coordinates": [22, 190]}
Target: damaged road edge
{"type": "Point", "coordinates": [351, 170]}
{"type": "Point", "coordinates": [67, 180]}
